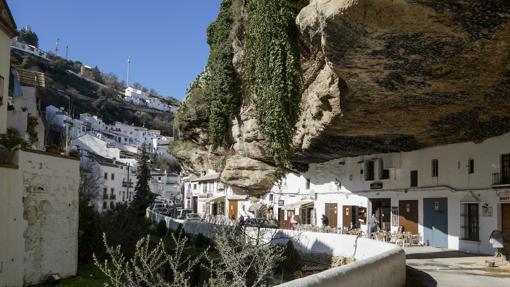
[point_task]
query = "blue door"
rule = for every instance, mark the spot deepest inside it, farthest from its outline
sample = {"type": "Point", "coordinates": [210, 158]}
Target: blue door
{"type": "Point", "coordinates": [435, 222]}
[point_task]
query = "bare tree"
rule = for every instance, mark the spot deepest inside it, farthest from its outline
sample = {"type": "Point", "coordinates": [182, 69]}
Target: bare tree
{"type": "Point", "coordinates": [239, 261]}
{"type": "Point", "coordinates": [247, 257]}
{"type": "Point", "coordinates": [90, 180]}
{"type": "Point", "coordinates": [146, 267]}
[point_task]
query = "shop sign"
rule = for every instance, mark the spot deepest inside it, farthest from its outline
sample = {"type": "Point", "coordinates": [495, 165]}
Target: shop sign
{"type": "Point", "coordinates": [281, 202]}
{"type": "Point", "coordinates": [376, 185]}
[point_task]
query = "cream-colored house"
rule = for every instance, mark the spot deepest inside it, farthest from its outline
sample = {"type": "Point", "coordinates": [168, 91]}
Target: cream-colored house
{"type": "Point", "coordinates": [7, 32]}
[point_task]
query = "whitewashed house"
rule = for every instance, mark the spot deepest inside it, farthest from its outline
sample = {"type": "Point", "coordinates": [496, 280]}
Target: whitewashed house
{"type": "Point", "coordinates": [111, 183]}
{"type": "Point", "coordinates": [142, 98]}
{"type": "Point", "coordinates": [452, 196]}
{"type": "Point", "coordinates": [208, 196]}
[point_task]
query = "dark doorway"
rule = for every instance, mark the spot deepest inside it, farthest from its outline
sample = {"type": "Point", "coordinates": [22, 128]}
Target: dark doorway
{"type": "Point", "coordinates": [194, 204]}
{"type": "Point", "coordinates": [381, 207]}
{"type": "Point", "coordinates": [435, 222]}
{"type": "Point", "coordinates": [505, 169]}
{"type": "Point", "coordinates": [505, 224]}
{"type": "Point", "coordinates": [408, 215]}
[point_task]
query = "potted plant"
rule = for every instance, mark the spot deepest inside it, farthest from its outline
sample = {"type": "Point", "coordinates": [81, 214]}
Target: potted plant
{"type": "Point", "coordinates": [53, 148]}
{"type": "Point", "coordinates": [9, 144]}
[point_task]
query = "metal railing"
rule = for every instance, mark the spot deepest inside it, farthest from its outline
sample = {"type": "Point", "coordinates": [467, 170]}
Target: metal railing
{"type": "Point", "coordinates": [127, 184]}
{"type": "Point", "coordinates": [112, 196]}
{"type": "Point", "coordinates": [500, 178]}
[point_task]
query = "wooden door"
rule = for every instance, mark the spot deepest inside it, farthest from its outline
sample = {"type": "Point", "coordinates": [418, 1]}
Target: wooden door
{"type": "Point", "coordinates": [232, 209]}
{"type": "Point", "coordinates": [282, 223]}
{"type": "Point", "coordinates": [331, 213]}
{"type": "Point", "coordinates": [505, 223]}
{"type": "Point", "coordinates": [408, 215]}
{"type": "Point", "coordinates": [347, 216]}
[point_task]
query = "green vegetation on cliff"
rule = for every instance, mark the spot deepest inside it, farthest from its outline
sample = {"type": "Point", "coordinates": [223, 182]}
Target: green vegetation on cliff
{"type": "Point", "coordinates": [222, 93]}
{"type": "Point", "coordinates": [271, 75]}
{"type": "Point", "coordinates": [273, 71]}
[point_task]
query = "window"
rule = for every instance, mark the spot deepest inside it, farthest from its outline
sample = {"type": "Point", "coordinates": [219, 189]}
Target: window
{"type": "Point", "coordinates": [113, 176]}
{"type": "Point", "coordinates": [105, 206]}
{"type": "Point", "coordinates": [307, 183]}
{"type": "Point", "coordinates": [414, 178]}
{"type": "Point", "coordinates": [271, 197]}
{"type": "Point", "coordinates": [470, 223]}
{"type": "Point", "coordinates": [370, 167]}
{"type": "Point", "coordinates": [471, 166]}
{"type": "Point", "coordinates": [435, 168]}
{"type": "Point", "coordinates": [111, 191]}
{"type": "Point", "coordinates": [105, 192]}
{"type": "Point", "coordinates": [1, 90]}
{"type": "Point", "coordinates": [111, 204]}
{"type": "Point", "coordinates": [385, 174]}
{"type": "Point", "coordinates": [105, 175]}
{"type": "Point", "coordinates": [194, 186]}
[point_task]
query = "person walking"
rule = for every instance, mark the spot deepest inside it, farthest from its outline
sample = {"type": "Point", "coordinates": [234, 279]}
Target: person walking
{"type": "Point", "coordinates": [374, 223]}
{"type": "Point", "coordinates": [293, 222]}
{"type": "Point", "coordinates": [325, 220]}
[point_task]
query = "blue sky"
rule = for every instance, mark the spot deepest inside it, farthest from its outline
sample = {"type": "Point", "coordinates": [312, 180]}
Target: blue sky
{"type": "Point", "coordinates": [165, 38]}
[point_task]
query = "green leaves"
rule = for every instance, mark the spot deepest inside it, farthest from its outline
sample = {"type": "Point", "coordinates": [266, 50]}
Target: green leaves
{"type": "Point", "coordinates": [273, 72]}
{"type": "Point", "coordinates": [222, 94]}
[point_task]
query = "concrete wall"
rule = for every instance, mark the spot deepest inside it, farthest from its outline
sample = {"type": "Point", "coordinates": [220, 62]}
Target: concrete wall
{"type": "Point", "coordinates": [385, 269]}
{"type": "Point", "coordinates": [11, 227]}
{"type": "Point", "coordinates": [50, 204]}
{"type": "Point", "coordinates": [377, 263]}
{"type": "Point", "coordinates": [38, 218]}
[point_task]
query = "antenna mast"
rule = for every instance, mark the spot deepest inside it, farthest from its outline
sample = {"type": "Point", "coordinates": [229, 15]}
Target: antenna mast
{"type": "Point", "coordinates": [128, 70]}
{"type": "Point", "coordinates": [57, 44]}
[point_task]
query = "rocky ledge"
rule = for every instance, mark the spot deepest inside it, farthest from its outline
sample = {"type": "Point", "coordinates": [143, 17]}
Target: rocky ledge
{"type": "Point", "coordinates": [385, 76]}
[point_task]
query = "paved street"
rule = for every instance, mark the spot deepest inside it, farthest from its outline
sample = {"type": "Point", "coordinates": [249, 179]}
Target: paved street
{"type": "Point", "coordinates": [427, 266]}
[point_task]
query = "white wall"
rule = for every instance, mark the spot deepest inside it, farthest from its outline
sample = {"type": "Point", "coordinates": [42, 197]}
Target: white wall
{"type": "Point", "coordinates": [12, 225]}
{"type": "Point", "coordinates": [50, 203]}
{"type": "Point", "coordinates": [39, 218]}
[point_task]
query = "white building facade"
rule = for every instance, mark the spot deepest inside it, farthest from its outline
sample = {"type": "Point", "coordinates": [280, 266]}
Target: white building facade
{"type": "Point", "coordinates": [452, 196]}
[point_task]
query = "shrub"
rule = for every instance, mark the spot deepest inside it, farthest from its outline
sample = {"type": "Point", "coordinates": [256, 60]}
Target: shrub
{"type": "Point", "coordinates": [291, 259]}
{"type": "Point", "coordinates": [202, 241]}
{"type": "Point", "coordinates": [161, 229]}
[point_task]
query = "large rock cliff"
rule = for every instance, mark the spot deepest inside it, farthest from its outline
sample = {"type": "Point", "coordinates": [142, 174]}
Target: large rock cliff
{"type": "Point", "coordinates": [385, 76]}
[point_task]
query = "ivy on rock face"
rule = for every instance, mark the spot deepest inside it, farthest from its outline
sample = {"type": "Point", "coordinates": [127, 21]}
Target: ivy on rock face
{"type": "Point", "coordinates": [273, 72]}
{"type": "Point", "coordinates": [222, 84]}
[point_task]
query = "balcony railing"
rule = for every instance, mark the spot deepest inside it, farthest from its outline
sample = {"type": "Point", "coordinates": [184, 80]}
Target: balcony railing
{"type": "Point", "coordinates": [127, 184]}
{"type": "Point", "coordinates": [105, 196]}
{"type": "Point", "coordinates": [112, 196]}
{"type": "Point", "coordinates": [500, 178]}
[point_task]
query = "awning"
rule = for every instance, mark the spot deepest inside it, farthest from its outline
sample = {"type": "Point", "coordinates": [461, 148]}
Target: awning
{"type": "Point", "coordinates": [237, 197]}
{"type": "Point", "coordinates": [216, 198]}
{"type": "Point", "coordinates": [298, 204]}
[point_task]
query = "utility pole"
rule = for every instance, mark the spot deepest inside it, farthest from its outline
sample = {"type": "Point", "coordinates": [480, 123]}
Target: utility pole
{"type": "Point", "coordinates": [128, 70]}
{"type": "Point", "coordinates": [67, 51]}
{"type": "Point", "coordinates": [57, 44]}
